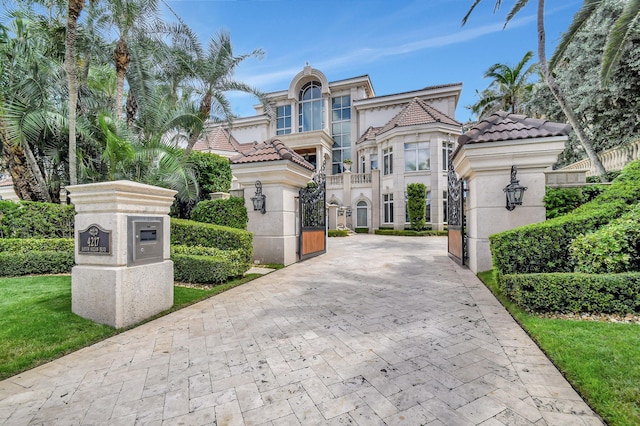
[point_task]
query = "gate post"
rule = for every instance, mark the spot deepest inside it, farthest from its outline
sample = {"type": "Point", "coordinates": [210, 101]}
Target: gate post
{"type": "Point", "coordinates": [281, 173]}
{"type": "Point", "coordinates": [484, 158]}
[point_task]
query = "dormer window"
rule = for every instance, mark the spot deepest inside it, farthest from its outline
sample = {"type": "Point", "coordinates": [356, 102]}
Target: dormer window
{"type": "Point", "coordinates": [311, 107]}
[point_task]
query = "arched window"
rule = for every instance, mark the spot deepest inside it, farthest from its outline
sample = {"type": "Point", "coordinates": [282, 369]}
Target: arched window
{"type": "Point", "coordinates": [361, 214]}
{"type": "Point", "coordinates": [311, 112]}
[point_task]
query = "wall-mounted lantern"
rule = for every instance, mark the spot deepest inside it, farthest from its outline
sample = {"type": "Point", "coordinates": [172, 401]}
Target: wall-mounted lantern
{"type": "Point", "coordinates": [260, 200]}
{"type": "Point", "coordinates": [514, 191]}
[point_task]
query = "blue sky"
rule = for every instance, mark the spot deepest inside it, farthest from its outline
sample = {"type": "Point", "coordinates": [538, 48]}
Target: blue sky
{"type": "Point", "coordinates": [402, 45]}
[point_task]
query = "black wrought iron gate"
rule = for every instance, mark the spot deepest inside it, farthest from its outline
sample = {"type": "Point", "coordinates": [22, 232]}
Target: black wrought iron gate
{"type": "Point", "coordinates": [456, 220]}
{"type": "Point", "coordinates": [313, 217]}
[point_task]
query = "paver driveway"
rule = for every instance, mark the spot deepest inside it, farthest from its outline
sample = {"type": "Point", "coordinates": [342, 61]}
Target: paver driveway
{"type": "Point", "coordinates": [380, 330]}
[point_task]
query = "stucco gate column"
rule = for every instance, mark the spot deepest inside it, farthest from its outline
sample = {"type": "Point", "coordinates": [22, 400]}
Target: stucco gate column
{"type": "Point", "coordinates": [484, 158]}
{"type": "Point", "coordinates": [123, 274]}
{"type": "Point", "coordinates": [281, 173]}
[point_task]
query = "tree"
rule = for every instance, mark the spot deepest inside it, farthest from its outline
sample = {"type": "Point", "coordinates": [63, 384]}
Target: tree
{"type": "Point", "coordinates": [611, 111]}
{"type": "Point", "coordinates": [620, 33]}
{"type": "Point", "coordinates": [558, 94]}
{"type": "Point", "coordinates": [73, 12]}
{"type": "Point", "coordinates": [508, 90]}
{"type": "Point", "coordinates": [417, 205]}
{"type": "Point", "coordinates": [214, 75]}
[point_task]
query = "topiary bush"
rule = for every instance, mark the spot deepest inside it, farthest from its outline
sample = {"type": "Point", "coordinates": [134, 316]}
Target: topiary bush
{"type": "Point", "coordinates": [613, 248]}
{"type": "Point", "coordinates": [25, 256]}
{"type": "Point", "coordinates": [544, 247]}
{"type": "Point", "coordinates": [30, 219]}
{"type": "Point", "coordinates": [417, 205]}
{"type": "Point", "coordinates": [230, 212]}
{"type": "Point", "coordinates": [574, 292]}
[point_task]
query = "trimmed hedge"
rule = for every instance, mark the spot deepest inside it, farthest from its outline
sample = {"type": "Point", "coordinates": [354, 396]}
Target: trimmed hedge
{"type": "Point", "coordinates": [30, 219]}
{"type": "Point", "coordinates": [35, 256]}
{"type": "Point", "coordinates": [338, 233]}
{"type": "Point", "coordinates": [234, 261]}
{"type": "Point", "coordinates": [410, 233]}
{"type": "Point", "coordinates": [230, 212]}
{"type": "Point", "coordinates": [544, 247]}
{"type": "Point", "coordinates": [192, 233]}
{"type": "Point", "coordinates": [201, 269]}
{"type": "Point", "coordinates": [574, 292]}
{"type": "Point", "coordinates": [361, 230]}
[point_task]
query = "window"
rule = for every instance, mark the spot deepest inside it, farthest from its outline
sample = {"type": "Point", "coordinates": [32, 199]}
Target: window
{"type": "Point", "coordinates": [283, 120]}
{"type": "Point", "coordinates": [361, 214]}
{"type": "Point", "coordinates": [363, 164]}
{"type": "Point", "coordinates": [311, 108]}
{"type": "Point", "coordinates": [387, 203]}
{"type": "Point", "coordinates": [341, 132]}
{"type": "Point", "coordinates": [428, 218]}
{"type": "Point", "coordinates": [374, 161]}
{"type": "Point", "coordinates": [447, 150]}
{"type": "Point", "coordinates": [416, 156]}
{"type": "Point", "coordinates": [445, 212]}
{"type": "Point", "coordinates": [387, 161]}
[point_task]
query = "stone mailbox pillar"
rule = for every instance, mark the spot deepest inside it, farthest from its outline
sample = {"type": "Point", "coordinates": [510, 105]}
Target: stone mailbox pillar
{"type": "Point", "coordinates": [281, 173]}
{"type": "Point", "coordinates": [123, 274]}
{"type": "Point", "coordinates": [484, 159]}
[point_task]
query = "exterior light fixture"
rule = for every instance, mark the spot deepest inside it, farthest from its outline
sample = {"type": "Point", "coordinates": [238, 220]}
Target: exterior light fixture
{"type": "Point", "coordinates": [514, 191]}
{"type": "Point", "coordinates": [260, 200]}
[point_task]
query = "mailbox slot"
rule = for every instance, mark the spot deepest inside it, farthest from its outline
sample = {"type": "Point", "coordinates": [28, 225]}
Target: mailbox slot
{"type": "Point", "coordinates": [145, 240]}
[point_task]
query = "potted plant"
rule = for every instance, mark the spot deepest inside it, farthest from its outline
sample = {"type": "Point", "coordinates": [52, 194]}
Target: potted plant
{"type": "Point", "coordinates": [347, 163]}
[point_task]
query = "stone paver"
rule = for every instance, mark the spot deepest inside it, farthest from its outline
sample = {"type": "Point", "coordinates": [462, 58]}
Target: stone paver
{"type": "Point", "coordinates": [378, 331]}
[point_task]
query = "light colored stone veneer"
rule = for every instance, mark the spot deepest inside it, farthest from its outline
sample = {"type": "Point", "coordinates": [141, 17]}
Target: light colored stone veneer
{"type": "Point", "coordinates": [103, 288]}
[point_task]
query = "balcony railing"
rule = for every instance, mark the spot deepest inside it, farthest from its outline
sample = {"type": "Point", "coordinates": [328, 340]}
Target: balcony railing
{"type": "Point", "coordinates": [361, 179]}
{"type": "Point", "coordinates": [612, 159]}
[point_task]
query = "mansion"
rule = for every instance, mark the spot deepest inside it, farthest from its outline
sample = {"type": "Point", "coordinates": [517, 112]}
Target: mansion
{"type": "Point", "coordinates": [371, 146]}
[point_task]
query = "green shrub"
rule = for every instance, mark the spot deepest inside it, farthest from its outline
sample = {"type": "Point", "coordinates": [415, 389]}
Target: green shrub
{"type": "Point", "coordinates": [25, 245]}
{"type": "Point", "coordinates": [409, 233]}
{"type": "Point", "coordinates": [230, 212]}
{"type": "Point", "coordinates": [212, 171]}
{"type": "Point", "coordinates": [35, 256]}
{"type": "Point", "coordinates": [574, 292]}
{"type": "Point", "coordinates": [200, 269]}
{"type": "Point", "coordinates": [35, 262]}
{"type": "Point", "coordinates": [235, 262]}
{"type": "Point", "coordinates": [191, 233]}
{"type": "Point", "coordinates": [362, 230]}
{"type": "Point", "coordinates": [29, 219]}
{"type": "Point", "coordinates": [560, 201]}
{"type": "Point", "coordinates": [614, 248]}
{"type": "Point", "coordinates": [417, 205]}
{"type": "Point", "coordinates": [544, 247]}
{"type": "Point", "coordinates": [338, 233]}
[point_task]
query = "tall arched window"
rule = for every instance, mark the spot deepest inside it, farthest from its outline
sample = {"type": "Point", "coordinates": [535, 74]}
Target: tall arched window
{"type": "Point", "coordinates": [361, 214]}
{"type": "Point", "coordinates": [311, 112]}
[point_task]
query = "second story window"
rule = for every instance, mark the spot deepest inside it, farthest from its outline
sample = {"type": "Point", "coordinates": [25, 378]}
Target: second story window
{"type": "Point", "coordinates": [283, 120]}
{"type": "Point", "coordinates": [341, 132]}
{"type": "Point", "coordinates": [387, 161]}
{"type": "Point", "coordinates": [447, 150]}
{"type": "Point", "coordinates": [311, 108]}
{"type": "Point", "coordinates": [416, 156]}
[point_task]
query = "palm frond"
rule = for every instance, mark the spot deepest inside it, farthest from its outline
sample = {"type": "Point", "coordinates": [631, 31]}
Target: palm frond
{"type": "Point", "coordinates": [579, 21]}
{"type": "Point", "coordinates": [622, 29]}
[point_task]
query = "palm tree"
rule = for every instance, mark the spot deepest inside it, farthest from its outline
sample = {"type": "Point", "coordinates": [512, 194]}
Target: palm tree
{"type": "Point", "coordinates": [73, 12]}
{"type": "Point", "coordinates": [558, 94]}
{"type": "Point", "coordinates": [508, 89]}
{"type": "Point", "coordinates": [214, 75]}
{"type": "Point", "coordinates": [620, 32]}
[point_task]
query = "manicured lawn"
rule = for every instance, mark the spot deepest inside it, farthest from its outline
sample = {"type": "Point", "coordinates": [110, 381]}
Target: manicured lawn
{"type": "Point", "coordinates": [37, 325]}
{"type": "Point", "coordinates": [600, 359]}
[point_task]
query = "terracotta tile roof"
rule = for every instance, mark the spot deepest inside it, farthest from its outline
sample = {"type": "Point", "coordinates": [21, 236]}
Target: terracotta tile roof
{"type": "Point", "coordinates": [219, 139]}
{"type": "Point", "coordinates": [502, 126]}
{"type": "Point", "coordinates": [418, 112]}
{"type": "Point", "coordinates": [369, 134]}
{"type": "Point", "coordinates": [271, 150]}
{"type": "Point", "coordinates": [5, 179]}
